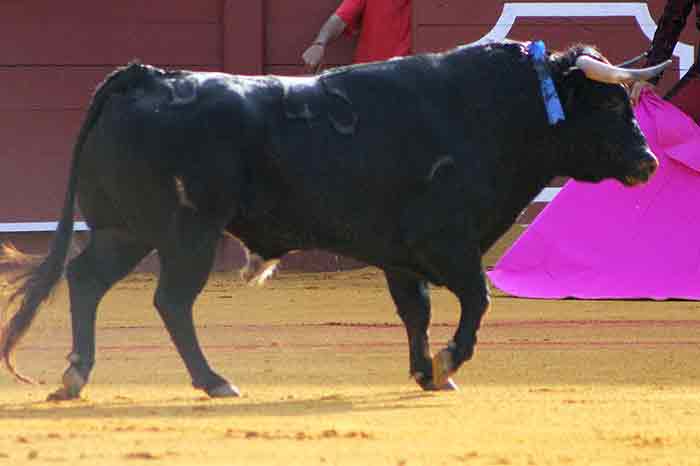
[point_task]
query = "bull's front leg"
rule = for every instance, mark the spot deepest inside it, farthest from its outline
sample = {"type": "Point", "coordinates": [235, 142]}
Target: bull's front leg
{"type": "Point", "coordinates": [412, 299]}
{"type": "Point", "coordinates": [452, 258]}
{"type": "Point", "coordinates": [442, 234]}
{"type": "Point", "coordinates": [474, 302]}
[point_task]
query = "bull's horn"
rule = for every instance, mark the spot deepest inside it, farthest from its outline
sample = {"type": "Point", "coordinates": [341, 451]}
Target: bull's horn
{"type": "Point", "coordinates": [603, 72]}
{"type": "Point", "coordinates": [632, 61]}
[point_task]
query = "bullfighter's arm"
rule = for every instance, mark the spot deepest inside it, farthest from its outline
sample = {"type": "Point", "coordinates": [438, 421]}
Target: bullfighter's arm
{"type": "Point", "coordinates": [331, 30]}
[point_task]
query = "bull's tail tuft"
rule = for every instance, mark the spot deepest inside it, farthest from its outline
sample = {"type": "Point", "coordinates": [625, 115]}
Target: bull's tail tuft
{"type": "Point", "coordinates": [10, 255]}
{"type": "Point", "coordinates": [256, 270]}
{"type": "Point", "coordinates": [35, 286]}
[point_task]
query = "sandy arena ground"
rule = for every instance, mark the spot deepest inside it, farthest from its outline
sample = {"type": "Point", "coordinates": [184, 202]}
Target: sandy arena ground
{"type": "Point", "coordinates": [321, 360]}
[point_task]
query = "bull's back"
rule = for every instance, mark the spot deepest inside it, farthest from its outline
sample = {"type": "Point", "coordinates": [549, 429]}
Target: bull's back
{"type": "Point", "coordinates": [364, 134]}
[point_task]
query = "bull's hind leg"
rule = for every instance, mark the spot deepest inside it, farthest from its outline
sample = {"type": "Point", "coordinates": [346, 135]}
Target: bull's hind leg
{"type": "Point", "coordinates": [412, 299]}
{"type": "Point", "coordinates": [185, 266]}
{"type": "Point", "coordinates": [108, 257]}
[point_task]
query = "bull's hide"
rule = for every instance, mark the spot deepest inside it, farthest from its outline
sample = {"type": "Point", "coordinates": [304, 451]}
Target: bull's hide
{"type": "Point", "coordinates": [311, 103]}
{"type": "Point", "coordinates": [415, 165]}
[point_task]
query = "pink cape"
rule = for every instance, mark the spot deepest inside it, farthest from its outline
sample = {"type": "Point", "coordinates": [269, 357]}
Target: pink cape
{"type": "Point", "coordinates": [606, 241]}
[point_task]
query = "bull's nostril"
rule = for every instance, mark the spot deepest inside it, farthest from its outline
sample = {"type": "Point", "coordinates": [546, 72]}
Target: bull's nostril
{"type": "Point", "coordinates": [649, 165]}
{"type": "Point", "coordinates": [653, 165]}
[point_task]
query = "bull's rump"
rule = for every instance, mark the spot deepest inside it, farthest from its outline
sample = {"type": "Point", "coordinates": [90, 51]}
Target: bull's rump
{"type": "Point", "coordinates": [149, 151]}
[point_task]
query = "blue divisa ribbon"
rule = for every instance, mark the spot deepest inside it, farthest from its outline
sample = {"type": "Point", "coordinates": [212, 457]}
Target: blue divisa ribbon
{"type": "Point", "coordinates": [537, 52]}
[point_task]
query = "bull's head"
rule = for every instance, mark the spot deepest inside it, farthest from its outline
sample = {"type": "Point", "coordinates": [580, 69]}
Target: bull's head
{"type": "Point", "coordinates": [600, 124]}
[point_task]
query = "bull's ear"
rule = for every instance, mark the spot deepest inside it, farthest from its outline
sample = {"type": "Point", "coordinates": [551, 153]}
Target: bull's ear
{"type": "Point", "coordinates": [574, 72]}
{"type": "Point", "coordinates": [574, 80]}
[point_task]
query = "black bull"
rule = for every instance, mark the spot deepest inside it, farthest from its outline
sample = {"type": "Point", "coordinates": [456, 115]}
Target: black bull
{"type": "Point", "coordinates": [415, 165]}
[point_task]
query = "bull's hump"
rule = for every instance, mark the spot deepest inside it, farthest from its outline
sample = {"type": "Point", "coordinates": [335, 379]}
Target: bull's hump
{"type": "Point", "coordinates": [297, 82]}
{"type": "Point", "coordinates": [188, 87]}
{"type": "Point", "coordinates": [299, 95]}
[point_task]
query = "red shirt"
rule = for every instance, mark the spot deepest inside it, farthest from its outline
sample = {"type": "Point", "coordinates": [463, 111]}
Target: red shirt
{"type": "Point", "coordinates": [384, 25]}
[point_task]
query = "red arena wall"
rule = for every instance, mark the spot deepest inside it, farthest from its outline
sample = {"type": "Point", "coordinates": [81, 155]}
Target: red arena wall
{"type": "Point", "coordinates": [53, 54]}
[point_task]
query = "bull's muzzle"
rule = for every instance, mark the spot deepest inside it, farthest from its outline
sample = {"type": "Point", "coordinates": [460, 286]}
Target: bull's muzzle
{"type": "Point", "coordinates": [642, 171]}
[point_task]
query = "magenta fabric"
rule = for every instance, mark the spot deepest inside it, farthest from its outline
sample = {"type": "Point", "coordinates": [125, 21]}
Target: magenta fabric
{"type": "Point", "coordinates": [607, 241]}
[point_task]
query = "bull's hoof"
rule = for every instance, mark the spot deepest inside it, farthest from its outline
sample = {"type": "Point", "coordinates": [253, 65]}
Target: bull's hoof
{"type": "Point", "coordinates": [449, 386]}
{"type": "Point", "coordinates": [443, 368]}
{"type": "Point", "coordinates": [73, 383]}
{"type": "Point", "coordinates": [427, 384]}
{"type": "Point", "coordinates": [63, 394]}
{"type": "Point", "coordinates": [225, 390]}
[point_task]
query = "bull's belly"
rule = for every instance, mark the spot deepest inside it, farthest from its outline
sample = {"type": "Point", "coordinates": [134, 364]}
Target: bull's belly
{"type": "Point", "coordinates": [358, 237]}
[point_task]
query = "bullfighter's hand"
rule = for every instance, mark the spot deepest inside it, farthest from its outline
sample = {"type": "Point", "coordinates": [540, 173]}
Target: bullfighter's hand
{"type": "Point", "coordinates": [636, 90]}
{"type": "Point", "coordinates": [313, 56]}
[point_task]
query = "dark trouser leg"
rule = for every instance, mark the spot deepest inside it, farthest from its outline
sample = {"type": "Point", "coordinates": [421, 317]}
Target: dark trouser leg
{"type": "Point", "coordinates": [108, 257]}
{"type": "Point", "coordinates": [185, 267]}
{"type": "Point", "coordinates": [685, 94]}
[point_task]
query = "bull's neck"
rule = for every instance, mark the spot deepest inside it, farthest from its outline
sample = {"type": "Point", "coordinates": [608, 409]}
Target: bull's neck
{"type": "Point", "coordinates": [518, 188]}
{"type": "Point", "coordinates": [524, 191]}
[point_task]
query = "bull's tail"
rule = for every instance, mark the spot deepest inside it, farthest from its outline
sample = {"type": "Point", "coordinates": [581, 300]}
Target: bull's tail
{"type": "Point", "coordinates": [35, 286]}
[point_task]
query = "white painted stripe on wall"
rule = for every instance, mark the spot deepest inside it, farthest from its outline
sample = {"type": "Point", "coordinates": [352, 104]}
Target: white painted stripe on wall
{"type": "Point", "coordinates": [638, 10]}
{"type": "Point", "coordinates": [546, 195]}
{"type": "Point", "coordinates": [24, 227]}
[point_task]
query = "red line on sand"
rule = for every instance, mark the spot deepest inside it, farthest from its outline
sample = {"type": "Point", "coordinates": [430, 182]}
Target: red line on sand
{"type": "Point", "coordinates": [531, 323]}
{"type": "Point", "coordinates": [598, 323]}
{"type": "Point", "coordinates": [593, 323]}
{"type": "Point", "coordinates": [361, 346]}
{"type": "Point", "coordinates": [520, 342]}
